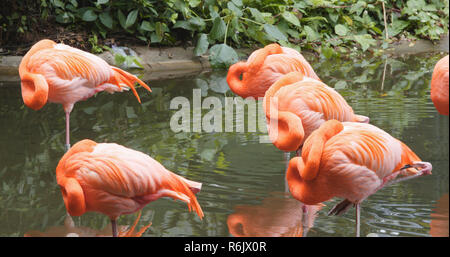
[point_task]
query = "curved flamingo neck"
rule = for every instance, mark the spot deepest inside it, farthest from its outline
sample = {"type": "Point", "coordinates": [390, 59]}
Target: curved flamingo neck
{"type": "Point", "coordinates": [249, 70]}
{"type": "Point", "coordinates": [307, 192]}
{"type": "Point", "coordinates": [289, 133]}
{"type": "Point", "coordinates": [260, 56]}
{"type": "Point", "coordinates": [303, 172]}
{"type": "Point", "coordinates": [34, 86]}
{"type": "Point", "coordinates": [313, 148]}
{"type": "Point", "coordinates": [233, 79]}
{"type": "Point", "coordinates": [71, 189]}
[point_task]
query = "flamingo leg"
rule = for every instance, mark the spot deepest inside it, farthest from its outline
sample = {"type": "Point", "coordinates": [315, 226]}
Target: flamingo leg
{"type": "Point", "coordinates": [305, 227]}
{"type": "Point", "coordinates": [67, 131]}
{"type": "Point", "coordinates": [299, 151]}
{"type": "Point", "coordinates": [114, 227]}
{"type": "Point", "coordinates": [358, 219]}
{"type": "Point", "coordinates": [287, 155]}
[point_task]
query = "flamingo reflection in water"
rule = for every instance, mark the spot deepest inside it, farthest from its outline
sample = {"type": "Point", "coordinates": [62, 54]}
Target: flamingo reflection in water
{"type": "Point", "coordinates": [439, 218]}
{"type": "Point", "coordinates": [70, 230]}
{"type": "Point", "coordinates": [275, 217]}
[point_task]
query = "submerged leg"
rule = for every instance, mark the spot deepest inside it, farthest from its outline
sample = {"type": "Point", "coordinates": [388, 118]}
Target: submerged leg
{"type": "Point", "coordinates": [114, 227]}
{"type": "Point", "coordinates": [358, 218]}
{"type": "Point", "coordinates": [67, 131]}
{"type": "Point", "coordinates": [305, 215]}
{"type": "Point", "coordinates": [299, 151]}
{"type": "Point", "coordinates": [287, 155]}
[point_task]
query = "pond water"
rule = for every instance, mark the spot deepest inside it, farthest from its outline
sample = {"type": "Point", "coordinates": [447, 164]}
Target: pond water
{"type": "Point", "coordinates": [243, 189]}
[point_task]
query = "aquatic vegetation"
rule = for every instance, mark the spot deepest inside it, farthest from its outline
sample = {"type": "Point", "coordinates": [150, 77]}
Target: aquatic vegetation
{"type": "Point", "coordinates": [325, 26]}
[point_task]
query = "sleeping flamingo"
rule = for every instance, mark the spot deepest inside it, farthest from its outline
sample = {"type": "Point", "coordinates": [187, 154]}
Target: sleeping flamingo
{"type": "Point", "coordinates": [263, 67]}
{"type": "Point", "coordinates": [352, 161]}
{"type": "Point", "coordinates": [62, 74]}
{"type": "Point", "coordinates": [296, 105]}
{"type": "Point", "coordinates": [115, 180]}
{"type": "Point", "coordinates": [439, 86]}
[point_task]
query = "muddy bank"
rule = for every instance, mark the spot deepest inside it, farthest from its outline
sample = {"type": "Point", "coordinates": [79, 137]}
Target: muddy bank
{"type": "Point", "coordinates": [158, 63]}
{"type": "Point", "coordinates": [164, 63]}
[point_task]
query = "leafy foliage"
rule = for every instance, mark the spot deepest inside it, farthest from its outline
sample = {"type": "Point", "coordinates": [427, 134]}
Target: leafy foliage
{"type": "Point", "coordinates": [322, 25]}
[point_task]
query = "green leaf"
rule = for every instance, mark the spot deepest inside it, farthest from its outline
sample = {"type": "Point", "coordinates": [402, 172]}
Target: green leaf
{"type": "Point", "coordinates": [89, 15]}
{"type": "Point", "coordinates": [119, 59]}
{"type": "Point", "coordinates": [58, 3]}
{"type": "Point", "coordinates": [237, 2]}
{"type": "Point", "coordinates": [290, 17]}
{"type": "Point", "coordinates": [63, 18]}
{"type": "Point", "coordinates": [194, 3]}
{"type": "Point", "coordinates": [348, 20]}
{"type": "Point", "coordinates": [131, 18]}
{"type": "Point", "coordinates": [315, 18]}
{"type": "Point", "coordinates": [311, 35]}
{"type": "Point", "coordinates": [202, 45]}
{"type": "Point", "coordinates": [358, 7]}
{"type": "Point", "coordinates": [365, 41]}
{"type": "Point", "coordinates": [218, 29]}
{"type": "Point", "coordinates": [327, 52]}
{"type": "Point", "coordinates": [397, 27]}
{"type": "Point", "coordinates": [340, 30]}
{"type": "Point", "coordinates": [106, 19]}
{"type": "Point", "coordinates": [99, 2]}
{"type": "Point", "coordinates": [340, 85]}
{"type": "Point", "coordinates": [257, 15]}
{"type": "Point", "coordinates": [274, 33]}
{"type": "Point", "coordinates": [159, 29]}
{"type": "Point", "coordinates": [334, 16]}
{"type": "Point", "coordinates": [234, 9]}
{"type": "Point", "coordinates": [74, 3]}
{"type": "Point", "coordinates": [222, 56]}
{"type": "Point", "coordinates": [147, 26]}
{"type": "Point", "coordinates": [122, 18]}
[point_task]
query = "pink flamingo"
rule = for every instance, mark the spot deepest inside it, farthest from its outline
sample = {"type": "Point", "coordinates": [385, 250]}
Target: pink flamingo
{"type": "Point", "coordinates": [350, 160]}
{"type": "Point", "coordinates": [62, 74]}
{"type": "Point", "coordinates": [115, 180]}
{"type": "Point", "coordinates": [263, 67]}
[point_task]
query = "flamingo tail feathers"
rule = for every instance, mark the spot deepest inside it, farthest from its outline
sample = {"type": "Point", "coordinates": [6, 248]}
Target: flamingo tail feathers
{"type": "Point", "coordinates": [123, 77]}
{"type": "Point", "coordinates": [184, 190]}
